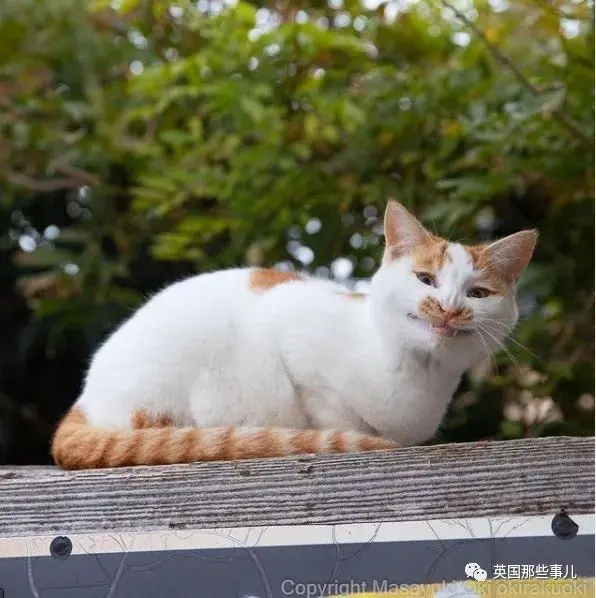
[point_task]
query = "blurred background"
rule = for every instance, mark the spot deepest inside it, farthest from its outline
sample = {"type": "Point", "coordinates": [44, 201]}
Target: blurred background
{"type": "Point", "coordinates": [143, 141]}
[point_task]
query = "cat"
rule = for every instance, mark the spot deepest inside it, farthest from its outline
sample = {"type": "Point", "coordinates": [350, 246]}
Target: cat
{"type": "Point", "coordinates": [256, 362]}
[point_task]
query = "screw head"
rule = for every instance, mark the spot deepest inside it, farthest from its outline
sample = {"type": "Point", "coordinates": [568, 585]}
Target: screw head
{"type": "Point", "coordinates": [60, 547]}
{"type": "Point", "coordinates": [563, 526]}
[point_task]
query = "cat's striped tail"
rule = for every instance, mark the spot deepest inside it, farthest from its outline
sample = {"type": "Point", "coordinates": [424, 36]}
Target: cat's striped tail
{"type": "Point", "coordinates": [77, 444]}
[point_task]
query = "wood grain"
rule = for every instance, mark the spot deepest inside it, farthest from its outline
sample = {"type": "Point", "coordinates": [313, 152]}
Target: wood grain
{"type": "Point", "coordinates": [532, 477]}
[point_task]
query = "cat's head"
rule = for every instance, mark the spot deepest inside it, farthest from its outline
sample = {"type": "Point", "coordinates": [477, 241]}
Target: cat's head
{"type": "Point", "coordinates": [440, 296]}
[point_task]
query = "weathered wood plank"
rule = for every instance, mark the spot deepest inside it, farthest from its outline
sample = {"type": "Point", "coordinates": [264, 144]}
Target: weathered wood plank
{"type": "Point", "coordinates": [531, 477]}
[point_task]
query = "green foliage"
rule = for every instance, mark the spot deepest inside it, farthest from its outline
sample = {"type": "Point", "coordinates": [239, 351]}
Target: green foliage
{"type": "Point", "coordinates": [143, 140]}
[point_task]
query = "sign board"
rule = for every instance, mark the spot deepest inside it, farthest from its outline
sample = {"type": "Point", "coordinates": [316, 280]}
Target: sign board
{"type": "Point", "coordinates": [464, 558]}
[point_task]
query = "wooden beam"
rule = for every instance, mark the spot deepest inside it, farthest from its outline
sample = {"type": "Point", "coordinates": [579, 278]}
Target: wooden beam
{"type": "Point", "coordinates": [523, 477]}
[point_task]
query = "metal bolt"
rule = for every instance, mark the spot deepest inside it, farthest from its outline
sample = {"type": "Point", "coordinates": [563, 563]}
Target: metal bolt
{"type": "Point", "coordinates": [563, 526]}
{"type": "Point", "coordinates": [60, 547]}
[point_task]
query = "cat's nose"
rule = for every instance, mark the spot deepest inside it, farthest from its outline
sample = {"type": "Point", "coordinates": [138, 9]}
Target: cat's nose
{"type": "Point", "coordinates": [451, 313]}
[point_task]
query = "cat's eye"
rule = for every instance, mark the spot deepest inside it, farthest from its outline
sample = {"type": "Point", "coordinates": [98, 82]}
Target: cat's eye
{"type": "Point", "coordinates": [426, 278]}
{"type": "Point", "coordinates": [478, 293]}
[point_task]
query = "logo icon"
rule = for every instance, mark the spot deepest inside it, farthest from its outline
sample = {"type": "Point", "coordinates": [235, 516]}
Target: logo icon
{"type": "Point", "coordinates": [475, 571]}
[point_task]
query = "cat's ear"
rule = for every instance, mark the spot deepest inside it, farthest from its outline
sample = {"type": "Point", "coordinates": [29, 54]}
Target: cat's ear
{"type": "Point", "coordinates": [402, 230]}
{"type": "Point", "coordinates": [512, 254]}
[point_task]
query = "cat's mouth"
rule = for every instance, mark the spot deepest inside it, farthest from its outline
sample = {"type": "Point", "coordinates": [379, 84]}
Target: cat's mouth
{"type": "Point", "coordinates": [441, 330]}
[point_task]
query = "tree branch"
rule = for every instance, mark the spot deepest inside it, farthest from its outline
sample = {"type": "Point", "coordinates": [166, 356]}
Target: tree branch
{"type": "Point", "coordinates": [82, 176]}
{"type": "Point", "coordinates": [23, 180]}
{"type": "Point", "coordinates": [560, 115]}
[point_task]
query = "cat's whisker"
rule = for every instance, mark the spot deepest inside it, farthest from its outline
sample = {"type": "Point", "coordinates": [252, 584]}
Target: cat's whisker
{"type": "Point", "coordinates": [506, 330]}
{"type": "Point", "coordinates": [504, 348]}
{"type": "Point", "coordinates": [491, 359]}
{"type": "Point", "coordinates": [509, 336]}
{"type": "Point", "coordinates": [507, 325]}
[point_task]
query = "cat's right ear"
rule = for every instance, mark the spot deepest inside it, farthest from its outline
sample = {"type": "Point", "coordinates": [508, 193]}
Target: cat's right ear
{"type": "Point", "coordinates": [402, 229]}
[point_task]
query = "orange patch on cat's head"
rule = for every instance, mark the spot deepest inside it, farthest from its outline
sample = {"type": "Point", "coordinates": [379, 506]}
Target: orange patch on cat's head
{"type": "Point", "coordinates": [476, 253]}
{"type": "Point", "coordinates": [406, 236]}
{"type": "Point", "coordinates": [490, 275]}
{"type": "Point", "coordinates": [263, 279]}
{"type": "Point", "coordinates": [430, 255]}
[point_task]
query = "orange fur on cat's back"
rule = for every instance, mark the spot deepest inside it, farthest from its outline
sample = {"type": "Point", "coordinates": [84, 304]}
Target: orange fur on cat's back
{"type": "Point", "coordinates": [263, 279]}
{"type": "Point", "coordinates": [77, 444]}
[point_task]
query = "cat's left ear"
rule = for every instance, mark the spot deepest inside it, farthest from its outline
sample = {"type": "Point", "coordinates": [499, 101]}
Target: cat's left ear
{"type": "Point", "coordinates": [402, 230]}
{"type": "Point", "coordinates": [512, 254]}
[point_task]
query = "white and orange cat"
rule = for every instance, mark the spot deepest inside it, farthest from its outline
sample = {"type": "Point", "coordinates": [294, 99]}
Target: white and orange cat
{"type": "Point", "coordinates": [257, 362]}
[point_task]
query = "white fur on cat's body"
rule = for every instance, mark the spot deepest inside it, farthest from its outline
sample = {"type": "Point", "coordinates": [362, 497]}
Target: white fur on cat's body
{"type": "Point", "coordinates": [210, 351]}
